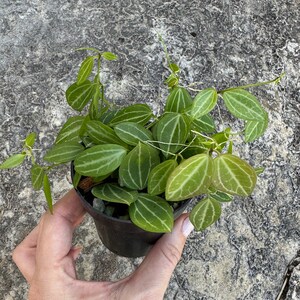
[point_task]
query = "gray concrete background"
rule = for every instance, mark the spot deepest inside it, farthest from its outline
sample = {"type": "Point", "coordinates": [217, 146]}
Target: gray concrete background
{"type": "Point", "coordinates": [220, 43]}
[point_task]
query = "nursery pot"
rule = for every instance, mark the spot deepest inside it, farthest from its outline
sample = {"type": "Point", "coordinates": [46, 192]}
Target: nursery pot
{"type": "Point", "coordinates": [121, 236]}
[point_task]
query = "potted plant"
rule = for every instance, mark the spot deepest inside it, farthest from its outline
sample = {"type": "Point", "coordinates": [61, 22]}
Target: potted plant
{"type": "Point", "coordinates": [134, 170]}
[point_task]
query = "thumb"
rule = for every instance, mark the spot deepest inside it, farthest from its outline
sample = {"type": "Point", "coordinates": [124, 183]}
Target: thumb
{"type": "Point", "coordinates": [156, 269]}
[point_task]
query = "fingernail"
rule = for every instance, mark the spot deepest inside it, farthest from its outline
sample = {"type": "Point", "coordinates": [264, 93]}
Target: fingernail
{"type": "Point", "coordinates": [187, 227]}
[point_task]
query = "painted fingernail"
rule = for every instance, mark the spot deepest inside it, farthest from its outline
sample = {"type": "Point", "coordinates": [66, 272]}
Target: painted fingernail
{"type": "Point", "coordinates": [187, 227]}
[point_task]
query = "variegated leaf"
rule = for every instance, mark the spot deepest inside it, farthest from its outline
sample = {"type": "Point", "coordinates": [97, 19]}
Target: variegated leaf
{"type": "Point", "coordinates": [78, 95]}
{"type": "Point", "coordinates": [63, 152]}
{"type": "Point", "coordinates": [178, 100]}
{"type": "Point", "coordinates": [255, 129]}
{"type": "Point", "coordinates": [37, 176]}
{"type": "Point", "coordinates": [243, 105]}
{"type": "Point", "coordinates": [85, 69]}
{"type": "Point", "coordinates": [132, 133]}
{"type": "Point", "coordinates": [102, 134]}
{"type": "Point", "coordinates": [191, 178]}
{"type": "Point", "coordinates": [159, 175]}
{"type": "Point", "coordinates": [114, 193]}
{"type": "Point", "coordinates": [233, 175]}
{"type": "Point", "coordinates": [136, 166]}
{"type": "Point", "coordinates": [99, 160]}
{"type": "Point", "coordinates": [205, 213]}
{"type": "Point", "coordinates": [137, 113]}
{"type": "Point", "coordinates": [70, 130]}
{"type": "Point", "coordinates": [204, 102]}
{"type": "Point", "coordinates": [172, 131]}
{"type": "Point", "coordinates": [151, 213]}
{"type": "Point", "coordinates": [204, 124]}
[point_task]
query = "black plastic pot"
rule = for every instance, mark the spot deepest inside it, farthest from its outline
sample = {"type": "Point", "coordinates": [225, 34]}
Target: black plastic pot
{"type": "Point", "coordinates": [121, 236]}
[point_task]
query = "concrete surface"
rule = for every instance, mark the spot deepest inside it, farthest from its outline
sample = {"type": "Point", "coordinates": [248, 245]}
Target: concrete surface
{"type": "Point", "coordinates": [220, 43]}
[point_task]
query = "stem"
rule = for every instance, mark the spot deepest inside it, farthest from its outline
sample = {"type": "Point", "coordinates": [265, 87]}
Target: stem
{"type": "Point", "coordinates": [165, 49]}
{"type": "Point", "coordinates": [276, 81]}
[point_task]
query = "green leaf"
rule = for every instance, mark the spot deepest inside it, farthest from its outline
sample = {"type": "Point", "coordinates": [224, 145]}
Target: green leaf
{"type": "Point", "coordinates": [109, 56]}
{"type": "Point", "coordinates": [204, 102]}
{"type": "Point", "coordinates": [37, 176]}
{"type": "Point", "coordinates": [83, 127]}
{"type": "Point", "coordinates": [151, 213]}
{"type": "Point", "coordinates": [102, 134]}
{"type": "Point", "coordinates": [191, 178]}
{"type": "Point", "coordinates": [85, 70]}
{"type": "Point", "coordinates": [114, 193]}
{"type": "Point", "coordinates": [233, 175]}
{"type": "Point", "coordinates": [178, 100]}
{"type": "Point", "coordinates": [76, 179]}
{"type": "Point", "coordinates": [106, 116]}
{"type": "Point", "coordinates": [99, 160]}
{"type": "Point", "coordinates": [132, 133]}
{"type": "Point", "coordinates": [172, 132]}
{"type": "Point", "coordinates": [243, 105]}
{"type": "Point", "coordinates": [220, 196]}
{"type": "Point", "coordinates": [137, 113]}
{"type": "Point", "coordinates": [204, 124]}
{"type": "Point", "coordinates": [47, 192]}
{"type": "Point", "coordinates": [174, 67]}
{"type": "Point", "coordinates": [94, 109]}
{"type": "Point", "coordinates": [159, 175]}
{"type": "Point", "coordinates": [254, 129]}
{"type": "Point", "coordinates": [172, 80]}
{"type": "Point", "coordinates": [30, 139]}
{"type": "Point", "coordinates": [221, 138]}
{"type": "Point", "coordinates": [13, 161]}
{"type": "Point", "coordinates": [78, 95]}
{"type": "Point", "coordinates": [136, 166]}
{"type": "Point", "coordinates": [198, 146]}
{"type": "Point", "coordinates": [205, 213]}
{"type": "Point", "coordinates": [70, 130]}
{"type": "Point", "coordinates": [63, 152]}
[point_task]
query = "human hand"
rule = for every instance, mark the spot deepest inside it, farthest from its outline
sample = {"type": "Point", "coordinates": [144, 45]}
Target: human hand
{"type": "Point", "coordinates": [46, 258]}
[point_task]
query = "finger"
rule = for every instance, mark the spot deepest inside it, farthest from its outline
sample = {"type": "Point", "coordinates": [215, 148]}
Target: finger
{"type": "Point", "coordinates": [56, 231]}
{"type": "Point", "coordinates": [24, 254]}
{"type": "Point", "coordinates": [155, 272]}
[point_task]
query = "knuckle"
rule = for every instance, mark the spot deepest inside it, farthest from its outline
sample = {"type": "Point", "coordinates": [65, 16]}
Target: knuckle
{"type": "Point", "coordinates": [171, 254]}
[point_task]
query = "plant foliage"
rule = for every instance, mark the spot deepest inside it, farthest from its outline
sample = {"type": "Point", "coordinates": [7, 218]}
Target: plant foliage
{"type": "Point", "coordinates": [146, 162]}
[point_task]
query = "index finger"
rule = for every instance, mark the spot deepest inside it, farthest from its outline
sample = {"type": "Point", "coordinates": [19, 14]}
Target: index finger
{"type": "Point", "coordinates": [56, 230]}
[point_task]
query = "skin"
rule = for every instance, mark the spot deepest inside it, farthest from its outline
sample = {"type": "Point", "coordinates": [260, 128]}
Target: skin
{"type": "Point", "coordinates": [46, 259]}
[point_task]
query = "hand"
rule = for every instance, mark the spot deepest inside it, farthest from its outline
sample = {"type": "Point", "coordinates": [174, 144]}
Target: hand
{"type": "Point", "coordinates": [46, 258]}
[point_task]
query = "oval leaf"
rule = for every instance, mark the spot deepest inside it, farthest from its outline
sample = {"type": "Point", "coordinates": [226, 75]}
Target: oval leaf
{"type": "Point", "coordinates": [233, 175]}
{"type": "Point", "coordinates": [70, 130]}
{"type": "Point", "coordinates": [191, 178]}
{"type": "Point", "coordinates": [114, 193]}
{"type": "Point", "coordinates": [137, 113]}
{"type": "Point", "coordinates": [109, 56]}
{"type": "Point", "coordinates": [99, 160]}
{"type": "Point", "coordinates": [151, 213]}
{"type": "Point", "coordinates": [205, 213]}
{"type": "Point", "coordinates": [172, 132]}
{"type": "Point", "coordinates": [178, 100]}
{"type": "Point", "coordinates": [204, 102]}
{"type": "Point", "coordinates": [13, 161]}
{"type": "Point", "coordinates": [30, 139]}
{"type": "Point", "coordinates": [255, 129]}
{"type": "Point", "coordinates": [85, 70]}
{"type": "Point", "coordinates": [220, 196]}
{"type": "Point", "coordinates": [132, 133]}
{"type": "Point", "coordinates": [243, 105]}
{"type": "Point", "coordinates": [159, 175]}
{"type": "Point", "coordinates": [102, 134]}
{"type": "Point", "coordinates": [204, 124]}
{"type": "Point", "coordinates": [136, 166]}
{"type": "Point", "coordinates": [78, 95]}
{"type": "Point", "coordinates": [37, 176]}
{"type": "Point", "coordinates": [63, 152]}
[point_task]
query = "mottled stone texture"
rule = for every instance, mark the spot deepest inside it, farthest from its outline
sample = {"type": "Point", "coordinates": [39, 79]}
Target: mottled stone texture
{"type": "Point", "coordinates": [219, 43]}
